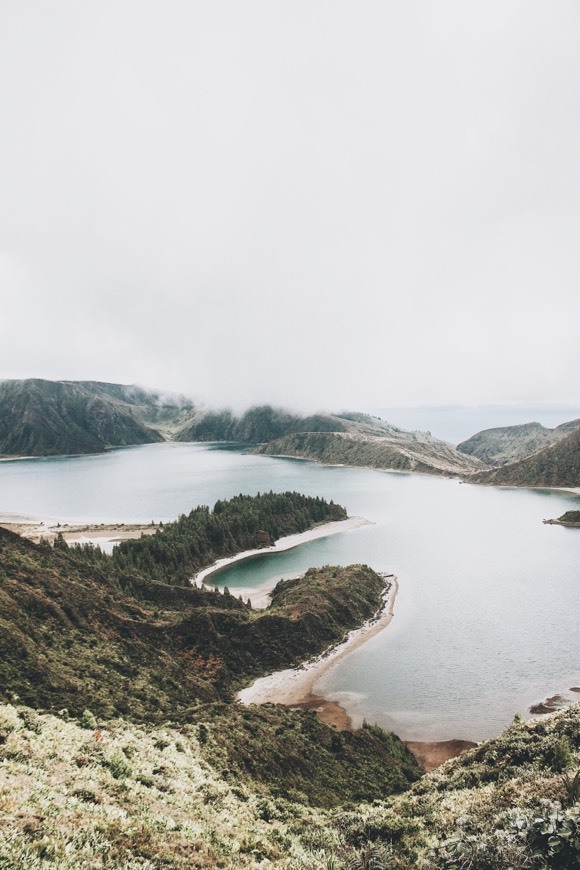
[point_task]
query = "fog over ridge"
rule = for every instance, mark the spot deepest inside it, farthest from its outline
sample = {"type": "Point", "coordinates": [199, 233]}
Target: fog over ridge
{"type": "Point", "coordinates": [322, 205]}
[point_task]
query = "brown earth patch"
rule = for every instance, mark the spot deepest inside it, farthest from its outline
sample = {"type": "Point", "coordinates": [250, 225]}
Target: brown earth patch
{"type": "Point", "coordinates": [431, 754]}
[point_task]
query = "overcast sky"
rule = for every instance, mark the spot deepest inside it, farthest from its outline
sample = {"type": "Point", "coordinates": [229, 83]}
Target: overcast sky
{"type": "Point", "coordinates": [314, 202]}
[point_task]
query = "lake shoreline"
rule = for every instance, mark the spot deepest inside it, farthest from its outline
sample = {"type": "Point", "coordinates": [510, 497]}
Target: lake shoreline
{"type": "Point", "coordinates": [35, 528]}
{"type": "Point", "coordinates": [294, 687]}
{"type": "Point", "coordinates": [288, 542]}
{"type": "Point", "coordinates": [561, 523]}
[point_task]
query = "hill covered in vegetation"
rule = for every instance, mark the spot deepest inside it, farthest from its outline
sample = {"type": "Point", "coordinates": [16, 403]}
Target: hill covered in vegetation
{"type": "Point", "coordinates": [557, 465]}
{"type": "Point", "coordinates": [399, 453]}
{"type": "Point", "coordinates": [256, 425]}
{"type": "Point", "coordinates": [176, 552]}
{"type": "Point", "coordinates": [507, 444]}
{"type": "Point", "coordinates": [269, 788]}
{"type": "Point", "coordinates": [570, 518]}
{"type": "Point", "coordinates": [80, 628]}
{"type": "Point", "coordinates": [54, 418]}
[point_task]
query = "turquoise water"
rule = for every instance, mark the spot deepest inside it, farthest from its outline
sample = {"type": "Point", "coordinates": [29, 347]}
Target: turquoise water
{"type": "Point", "coordinates": [486, 620]}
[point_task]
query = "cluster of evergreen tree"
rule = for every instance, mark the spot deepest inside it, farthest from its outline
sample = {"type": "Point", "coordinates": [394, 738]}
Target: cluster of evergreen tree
{"type": "Point", "coordinates": [178, 550]}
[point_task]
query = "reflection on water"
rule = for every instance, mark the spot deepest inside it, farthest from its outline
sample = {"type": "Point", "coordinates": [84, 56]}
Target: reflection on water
{"type": "Point", "coordinates": [486, 616]}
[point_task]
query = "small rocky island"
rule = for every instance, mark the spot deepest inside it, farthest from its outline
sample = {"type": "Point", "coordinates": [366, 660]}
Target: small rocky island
{"type": "Point", "coordinates": [570, 519]}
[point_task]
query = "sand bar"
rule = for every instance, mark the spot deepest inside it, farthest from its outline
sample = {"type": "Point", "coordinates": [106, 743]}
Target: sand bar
{"type": "Point", "coordinates": [286, 543]}
{"type": "Point", "coordinates": [294, 687]}
{"type": "Point", "coordinates": [34, 528]}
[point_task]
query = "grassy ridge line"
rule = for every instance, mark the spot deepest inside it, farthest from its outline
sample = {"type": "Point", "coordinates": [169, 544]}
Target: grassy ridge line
{"type": "Point", "coordinates": [145, 796]}
{"type": "Point", "coordinates": [557, 465]}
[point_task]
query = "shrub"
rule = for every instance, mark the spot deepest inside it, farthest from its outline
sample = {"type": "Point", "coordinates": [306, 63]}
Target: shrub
{"type": "Point", "coordinates": [31, 720]}
{"type": "Point", "coordinates": [554, 838]}
{"type": "Point", "coordinates": [561, 756]}
{"type": "Point", "coordinates": [88, 720]}
{"type": "Point", "coordinates": [118, 765]}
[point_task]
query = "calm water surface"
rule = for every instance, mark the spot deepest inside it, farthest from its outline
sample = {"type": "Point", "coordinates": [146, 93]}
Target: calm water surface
{"type": "Point", "coordinates": [486, 620]}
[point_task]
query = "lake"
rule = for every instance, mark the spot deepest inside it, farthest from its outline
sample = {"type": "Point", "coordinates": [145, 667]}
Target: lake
{"type": "Point", "coordinates": [486, 619]}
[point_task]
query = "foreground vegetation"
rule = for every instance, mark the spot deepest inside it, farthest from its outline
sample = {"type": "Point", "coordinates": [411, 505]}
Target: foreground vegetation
{"type": "Point", "coordinates": [92, 794]}
{"type": "Point", "coordinates": [121, 746]}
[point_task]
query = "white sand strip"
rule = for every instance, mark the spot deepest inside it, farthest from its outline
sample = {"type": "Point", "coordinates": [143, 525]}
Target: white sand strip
{"type": "Point", "coordinates": [287, 543]}
{"type": "Point", "coordinates": [296, 685]}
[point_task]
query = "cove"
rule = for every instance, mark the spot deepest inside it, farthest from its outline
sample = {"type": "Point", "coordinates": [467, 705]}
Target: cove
{"type": "Point", "coordinates": [486, 615]}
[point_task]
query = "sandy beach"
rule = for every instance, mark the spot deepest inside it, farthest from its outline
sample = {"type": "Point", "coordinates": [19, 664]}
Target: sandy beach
{"type": "Point", "coordinates": [35, 528]}
{"type": "Point", "coordinates": [294, 687]}
{"type": "Point", "coordinates": [282, 544]}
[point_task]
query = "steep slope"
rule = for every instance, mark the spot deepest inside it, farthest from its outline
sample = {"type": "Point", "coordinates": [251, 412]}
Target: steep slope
{"type": "Point", "coordinates": [77, 629]}
{"type": "Point", "coordinates": [424, 454]}
{"type": "Point", "coordinates": [231, 788]}
{"type": "Point", "coordinates": [512, 802]}
{"type": "Point", "coordinates": [508, 444]}
{"type": "Point", "coordinates": [249, 788]}
{"type": "Point", "coordinates": [258, 424]}
{"type": "Point", "coordinates": [556, 465]}
{"type": "Point", "coordinates": [51, 418]}
{"type": "Point", "coordinates": [70, 638]}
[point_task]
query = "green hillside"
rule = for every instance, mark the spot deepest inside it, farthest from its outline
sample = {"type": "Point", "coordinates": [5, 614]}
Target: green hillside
{"type": "Point", "coordinates": [427, 455]}
{"type": "Point", "coordinates": [176, 552]}
{"type": "Point", "coordinates": [78, 629]}
{"type": "Point", "coordinates": [557, 465]}
{"type": "Point", "coordinates": [236, 787]}
{"type": "Point", "coordinates": [54, 418]}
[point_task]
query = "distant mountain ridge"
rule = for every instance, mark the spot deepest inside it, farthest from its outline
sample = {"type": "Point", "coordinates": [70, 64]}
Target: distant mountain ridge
{"type": "Point", "coordinates": [49, 418]}
{"type": "Point", "coordinates": [259, 424]}
{"type": "Point", "coordinates": [55, 418]}
{"type": "Point", "coordinates": [556, 465]}
{"type": "Point", "coordinates": [505, 444]}
{"type": "Point", "coordinates": [52, 418]}
{"type": "Point", "coordinates": [422, 454]}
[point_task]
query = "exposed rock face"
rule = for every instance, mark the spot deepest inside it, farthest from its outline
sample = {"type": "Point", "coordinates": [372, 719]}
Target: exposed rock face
{"type": "Point", "coordinates": [556, 465]}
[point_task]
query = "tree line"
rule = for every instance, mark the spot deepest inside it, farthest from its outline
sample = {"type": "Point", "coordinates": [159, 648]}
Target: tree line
{"type": "Point", "coordinates": [179, 550]}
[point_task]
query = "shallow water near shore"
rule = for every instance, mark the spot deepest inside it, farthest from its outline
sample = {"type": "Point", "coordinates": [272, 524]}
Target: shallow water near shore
{"type": "Point", "coordinates": [486, 619]}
